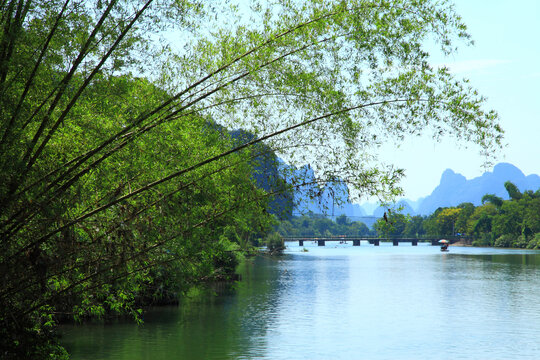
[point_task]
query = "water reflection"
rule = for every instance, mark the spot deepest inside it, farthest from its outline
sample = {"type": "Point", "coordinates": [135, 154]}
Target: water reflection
{"type": "Point", "coordinates": [346, 303]}
{"type": "Point", "coordinates": [232, 323]}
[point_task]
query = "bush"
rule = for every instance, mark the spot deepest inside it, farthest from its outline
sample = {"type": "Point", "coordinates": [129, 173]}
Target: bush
{"type": "Point", "coordinates": [534, 243]}
{"type": "Point", "coordinates": [274, 242]}
{"type": "Point", "coordinates": [225, 259]}
{"type": "Point", "coordinates": [483, 240]}
{"type": "Point", "coordinates": [520, 242]}
{"type": "Point", "coordinates": [505, 240]}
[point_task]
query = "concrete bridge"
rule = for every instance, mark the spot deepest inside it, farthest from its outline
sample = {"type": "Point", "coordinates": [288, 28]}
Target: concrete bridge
{"type": "Point", "coordinates": [321, 241]}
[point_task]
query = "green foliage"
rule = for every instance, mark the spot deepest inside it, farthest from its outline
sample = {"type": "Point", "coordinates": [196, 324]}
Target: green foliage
{"type": "Point", "coordinates": [506, 223]}
{"type": "Point", "coordinates": [414, 227]}
{"type": "Point", "coordinates": [534, 243]}
{"type": "Point", "coordinates": [495, 200]}
{"type": "Point", "coordinates": [484, 239]}
{"type": "Point", "coordinates": [501, 223]}
{"type": "Point", "coordinates": [480, 220]}
{"type": "Point", "coordinates": [314, 225]}
{"type": "Point", "coordinates": [342, 220]}
{"type": "Point", "coordinates": [520, 242]}
{"type": "Point", "coordinates": [467, 209]}
{"type": "Point", "coordinates": [26, 338]}
{"type": "Point", "coordinates": [394, 225]}
{"type": "Point", "coordinates": [513, 223]}
{"type": "Point", "coordinates": [513, 191]}
{"type": "Point", "coordinates": [274, 242]}
{"type": "Point", "coordinates": [506, 240]}
{"type": "Point", "coordinates": [446, 221]}
{"type": "Point", "coordinates": [99, 267]}
{"type": "Point", "coordinates": [509, 219]}
{"type": "Point", "coordinates": [531, 217]}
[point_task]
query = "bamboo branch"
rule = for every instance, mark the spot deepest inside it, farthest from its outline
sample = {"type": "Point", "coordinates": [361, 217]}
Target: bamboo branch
{"type": "Point", "coordinates": [30, 80]}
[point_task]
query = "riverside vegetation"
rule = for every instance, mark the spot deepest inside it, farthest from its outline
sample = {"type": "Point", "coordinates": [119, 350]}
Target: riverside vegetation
{"type": "Point", "coordinates": [497, 222]}
{"type": "Point", "coordinates": [120, 180]}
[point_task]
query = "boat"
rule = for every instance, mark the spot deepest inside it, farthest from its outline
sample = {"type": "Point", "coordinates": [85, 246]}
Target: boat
{"type": "Point", "coordinates": [444, 244]}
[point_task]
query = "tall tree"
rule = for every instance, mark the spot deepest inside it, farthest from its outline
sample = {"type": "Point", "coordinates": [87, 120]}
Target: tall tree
{"type": "Point", "coordinates": [467, 209]}
{"type": "Point", "coordinates": [446, 221]}
{"type": "Point", "coordinates": [513, 190]}
{"type": "Point", "coordinates": [509, 220]}
{"type": "Point", "coordinates": [479, 222]}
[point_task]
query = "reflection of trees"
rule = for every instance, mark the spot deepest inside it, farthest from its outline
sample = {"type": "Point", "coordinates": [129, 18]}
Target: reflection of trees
{"type": "Point", "coordinates": [221, 322]}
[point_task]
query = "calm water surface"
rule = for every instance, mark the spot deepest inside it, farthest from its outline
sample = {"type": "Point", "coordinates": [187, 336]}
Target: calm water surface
{"type": "Point", "coordinates": [344, 302]}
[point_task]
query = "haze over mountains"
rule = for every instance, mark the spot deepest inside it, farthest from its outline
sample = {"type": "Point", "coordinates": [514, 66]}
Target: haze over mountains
{"type": "Point", "coordinates": [452, 190]}
{"type": "Point", "coordinates": [455, 189]}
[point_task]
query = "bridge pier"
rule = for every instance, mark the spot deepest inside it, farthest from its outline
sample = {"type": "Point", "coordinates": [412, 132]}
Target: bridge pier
{"type": "Point", "coordinates": [356, 242]}
{"type": "Point", "coordinates": [414, 242]}
{"type": "Point", "coordinates": [395, 242]}
{"type": "Point", "coordinates": [300, 242]}
{"type": "Point", "coordinates": [320, 242]}
{"type": "Point", "coordinates": [376, 242]}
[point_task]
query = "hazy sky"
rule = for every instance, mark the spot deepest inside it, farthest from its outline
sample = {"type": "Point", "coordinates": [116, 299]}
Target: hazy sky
{"type": "Point", "coordinates": [504, 65]}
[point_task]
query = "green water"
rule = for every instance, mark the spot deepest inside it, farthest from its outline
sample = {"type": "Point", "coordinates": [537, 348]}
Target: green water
{"type": "Point", "coordinates": [344, 302]}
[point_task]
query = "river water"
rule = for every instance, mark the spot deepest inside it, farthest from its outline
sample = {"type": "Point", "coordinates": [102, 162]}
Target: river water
{"type": "Point", "coordinates": [344, 302]}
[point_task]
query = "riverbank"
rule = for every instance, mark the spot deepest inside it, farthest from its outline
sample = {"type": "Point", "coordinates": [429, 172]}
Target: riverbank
{"type": "Point", "coordinates": [462, 243]}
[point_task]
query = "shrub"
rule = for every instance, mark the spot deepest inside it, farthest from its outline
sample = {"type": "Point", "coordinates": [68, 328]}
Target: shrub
{"type": "Point", "coordinates": [520, 242]}
{"type": "Point", "coordinates": [534, 243]}
{"type": "Point", "coordinates": [274, 242]}
{"type": "Point", "coordinates": [505, 240]}
{"type": "Point", "coordinates": [483, 240]}
{"type": "Point", "coordinates": [225, 259]}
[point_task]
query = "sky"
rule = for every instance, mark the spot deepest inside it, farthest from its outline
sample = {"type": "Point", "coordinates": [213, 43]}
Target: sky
{"type": "Point", "coordinates": [504, 65]}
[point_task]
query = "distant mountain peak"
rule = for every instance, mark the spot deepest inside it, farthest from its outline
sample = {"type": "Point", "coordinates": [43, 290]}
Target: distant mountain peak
{"type": "Point", "coordinates": [449, 176]}
{"type": "Point", "coordinates": [452, 190]}
{"type": "Point", "coordinates": [455, 189]}
{"type": "Point", "coordinates": [507, 169]}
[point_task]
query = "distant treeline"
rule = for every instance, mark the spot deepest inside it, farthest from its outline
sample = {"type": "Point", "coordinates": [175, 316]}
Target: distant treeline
{"type": "Point", "coordinates": [497, 222]}
{"type": "Point", "coordinates": [319, 225]}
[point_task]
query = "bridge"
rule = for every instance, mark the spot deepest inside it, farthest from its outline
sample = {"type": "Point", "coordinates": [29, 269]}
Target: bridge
{"type": "Point", "coordinates": [321, 241]}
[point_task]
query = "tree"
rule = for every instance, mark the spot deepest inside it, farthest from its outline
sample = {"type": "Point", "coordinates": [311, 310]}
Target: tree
{"type": "Point", "coordinates": [414, 227]}
{"type": "Point", "coordinates": [509, 220]}
{"type": "Point", "coordinates": [394, 225]}
{"type": "Point", "coordinates": [513, 190]}
{"type": "Point", "coordinates": [531, 219]}
{"type": "Point", "coordinates": [430, 223]}
{"type": "Point", "coordinates": [342, 220]}
{"type": "Point", "coordinates": [446, 221]}
{"type": "Point", "coordinates": [492, 198]}
{"type": "Point", "coordinates": [479, 224]}
{"type": "Point", "coordinates": [324, 225]}
{"type": "Point", "coordinates": [467, 209]}
{"type": "Point", "coordinates": [358, 228]}
{"type": "Point", "coordinates": [90, 196]}
{"type": "Point", "coordinates": [442, 222]}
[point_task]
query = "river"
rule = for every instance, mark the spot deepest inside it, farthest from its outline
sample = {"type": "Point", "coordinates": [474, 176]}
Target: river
{"type": "Point", "coordinates": [344, 302]}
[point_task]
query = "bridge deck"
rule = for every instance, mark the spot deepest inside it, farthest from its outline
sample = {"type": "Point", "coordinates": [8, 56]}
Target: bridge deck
{"type": "Point", "coordinates": [356, 240]}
